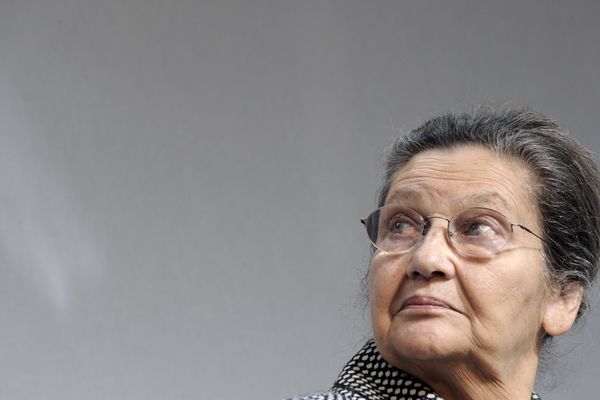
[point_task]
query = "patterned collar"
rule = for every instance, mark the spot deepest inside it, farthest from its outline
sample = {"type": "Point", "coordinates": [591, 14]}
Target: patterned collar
{"type": "Point", "coordinates": [369, 376]}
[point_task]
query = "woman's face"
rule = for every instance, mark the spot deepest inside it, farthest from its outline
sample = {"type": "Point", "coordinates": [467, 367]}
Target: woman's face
{"type": "Point", "coordinates": [431, 303]}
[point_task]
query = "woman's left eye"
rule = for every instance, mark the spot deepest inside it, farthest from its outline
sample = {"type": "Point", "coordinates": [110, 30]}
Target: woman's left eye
{"type": "Point", "coordinates": [478, 229]}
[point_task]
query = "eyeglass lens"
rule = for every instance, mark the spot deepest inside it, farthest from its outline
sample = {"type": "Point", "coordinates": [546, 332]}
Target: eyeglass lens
{"type": "Point", "coordinates": [478, 232]}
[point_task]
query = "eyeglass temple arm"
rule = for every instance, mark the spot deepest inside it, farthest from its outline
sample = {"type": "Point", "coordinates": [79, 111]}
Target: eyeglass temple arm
{"type": "Point", "coordinates": [530, 231]}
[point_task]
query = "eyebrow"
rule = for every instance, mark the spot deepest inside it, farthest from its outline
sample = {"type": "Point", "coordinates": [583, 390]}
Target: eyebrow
{"type": "Point", "coordinates": [489, 197]}
{"type": "Point", "coordinates": [406, 195]}
{"type": "Point", "coordinates": [475, 199]}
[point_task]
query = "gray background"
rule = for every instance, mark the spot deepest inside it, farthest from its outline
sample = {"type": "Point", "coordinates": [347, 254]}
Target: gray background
{"type": "Point", "coordinates": [182, 181]}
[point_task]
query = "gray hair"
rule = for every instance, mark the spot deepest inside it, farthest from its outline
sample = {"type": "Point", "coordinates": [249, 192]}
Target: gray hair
{"type": "Point", "coordinates": [567, 190]}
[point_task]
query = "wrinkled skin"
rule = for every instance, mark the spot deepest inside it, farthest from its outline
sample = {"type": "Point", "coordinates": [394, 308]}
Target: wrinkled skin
{"type": "Point", "coordinates": [483, 342]}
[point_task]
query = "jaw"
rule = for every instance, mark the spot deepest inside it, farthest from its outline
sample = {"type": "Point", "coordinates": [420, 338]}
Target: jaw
{"type": "Point", "coordinates": [457, 372]}
{"type": "Point", "coordinates": [473, 378]}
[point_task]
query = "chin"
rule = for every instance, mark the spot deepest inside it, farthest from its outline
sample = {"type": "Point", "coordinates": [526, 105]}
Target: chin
{"type": "Point", "coordinates": [420, 342]}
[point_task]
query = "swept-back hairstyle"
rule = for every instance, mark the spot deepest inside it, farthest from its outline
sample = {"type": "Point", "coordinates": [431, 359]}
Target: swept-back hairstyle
{"type": "Point", "coordinates": [566, 188]}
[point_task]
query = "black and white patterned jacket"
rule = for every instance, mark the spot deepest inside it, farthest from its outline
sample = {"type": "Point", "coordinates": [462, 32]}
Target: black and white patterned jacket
{"type": "Point", "coordinates": [369, 377]}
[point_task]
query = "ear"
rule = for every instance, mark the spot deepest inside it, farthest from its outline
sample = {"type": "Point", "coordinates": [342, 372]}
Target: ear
{"type": "Point", "coordinates": [561, 310]}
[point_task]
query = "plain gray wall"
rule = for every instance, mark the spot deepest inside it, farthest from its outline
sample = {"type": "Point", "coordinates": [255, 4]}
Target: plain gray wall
{"type": "Point", "coordinates": [182, 181]}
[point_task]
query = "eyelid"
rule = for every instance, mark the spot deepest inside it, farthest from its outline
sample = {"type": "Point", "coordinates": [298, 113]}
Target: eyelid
{"type": "Point", "coordinates": [402, 218]}
{"type": "Point", "coordinates": [488, 220]}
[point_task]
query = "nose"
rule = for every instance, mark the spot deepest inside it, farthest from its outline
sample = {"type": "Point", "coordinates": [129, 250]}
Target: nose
{"type": "Point", "coordinates": [433, 257]}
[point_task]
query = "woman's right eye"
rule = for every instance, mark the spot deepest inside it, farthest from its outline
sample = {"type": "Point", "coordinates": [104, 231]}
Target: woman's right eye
{"type": "Point", "coordinates": [398, 227]}
{"type": "Point", "coordinates": [401, 225]}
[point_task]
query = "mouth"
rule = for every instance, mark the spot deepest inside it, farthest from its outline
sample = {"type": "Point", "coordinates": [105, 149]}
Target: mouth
{"type": "Point", "coordinates": [424, 303]}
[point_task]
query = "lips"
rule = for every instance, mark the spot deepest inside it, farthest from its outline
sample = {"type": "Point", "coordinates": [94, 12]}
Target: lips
{"type": "Point", "coordinates": [424, 302]}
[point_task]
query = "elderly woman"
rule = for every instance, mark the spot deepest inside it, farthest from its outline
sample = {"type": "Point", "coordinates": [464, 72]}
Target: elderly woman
{"type": "Point", "coordinates": [484, 243]}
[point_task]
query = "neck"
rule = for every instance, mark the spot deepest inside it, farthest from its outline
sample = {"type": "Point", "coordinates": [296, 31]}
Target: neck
{"type": "Point", "coordinates": [478, 379]}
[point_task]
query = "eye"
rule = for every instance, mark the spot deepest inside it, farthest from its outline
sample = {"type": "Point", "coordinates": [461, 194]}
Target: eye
{"type": "Point", "coordinates": [398, 227]}
{"type": "Point", "coordinates": [481, 226]}
{"type": "Point", "coordinates": [475, 228]}
{"type": "Point", "coordinates": [479, 232]}
{"type": "Point", "coordinates": [403, 225]}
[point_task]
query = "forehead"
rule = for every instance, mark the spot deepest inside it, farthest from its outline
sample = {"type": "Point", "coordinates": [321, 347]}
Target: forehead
{"type": "Point", "coordinates": [467, 176]}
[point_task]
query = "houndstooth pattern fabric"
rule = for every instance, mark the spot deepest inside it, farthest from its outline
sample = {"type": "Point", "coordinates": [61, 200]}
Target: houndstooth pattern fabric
{"type": "Point", "coordinates": [369, 377]}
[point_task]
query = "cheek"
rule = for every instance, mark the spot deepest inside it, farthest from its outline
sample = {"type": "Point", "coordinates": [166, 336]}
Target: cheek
{"type": "Point", "coordinates": [385, 277]}
{"type": "Point", "coordinates": [498, 294]}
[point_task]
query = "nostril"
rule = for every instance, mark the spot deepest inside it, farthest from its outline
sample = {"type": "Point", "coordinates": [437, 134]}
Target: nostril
{"type": "Point", "coordinates": [432, 274]}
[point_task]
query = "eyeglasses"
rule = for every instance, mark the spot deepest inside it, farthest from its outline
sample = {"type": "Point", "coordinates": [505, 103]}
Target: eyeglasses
{"type": "Point", "coordinates": [475, 232]}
